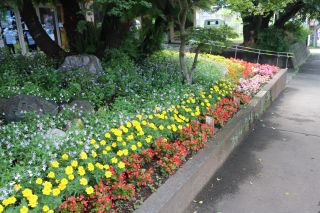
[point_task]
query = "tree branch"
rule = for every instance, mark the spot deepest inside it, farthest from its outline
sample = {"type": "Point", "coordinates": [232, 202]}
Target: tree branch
{"type": "Point", "coordinates": [290, 11]}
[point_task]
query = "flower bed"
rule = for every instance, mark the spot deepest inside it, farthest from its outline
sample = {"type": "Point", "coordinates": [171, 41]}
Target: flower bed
{"type": "Point", "coordinates": [115, 171]}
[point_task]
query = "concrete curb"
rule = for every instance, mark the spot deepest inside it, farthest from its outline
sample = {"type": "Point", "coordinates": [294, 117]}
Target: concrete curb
{"type": "Point", "coordinates": [178, 191]}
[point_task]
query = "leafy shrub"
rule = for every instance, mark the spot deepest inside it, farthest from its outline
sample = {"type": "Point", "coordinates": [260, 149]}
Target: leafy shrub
{"type": "Point", "coordinates": [296, 32]}
{"type": "Point", "coordinates": [273, 39]}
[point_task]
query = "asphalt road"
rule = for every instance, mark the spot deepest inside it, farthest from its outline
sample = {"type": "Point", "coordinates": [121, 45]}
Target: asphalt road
{"type": "Point", "coordinates": [277, 168]}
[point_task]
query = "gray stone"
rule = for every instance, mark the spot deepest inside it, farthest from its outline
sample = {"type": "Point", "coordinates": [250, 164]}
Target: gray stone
{"type": "Point", "coordinates": [15, 108]}
{"type": "Point", "coordinates": [55, 133]}
{"type": "Point", "coordinates": [89, 63]}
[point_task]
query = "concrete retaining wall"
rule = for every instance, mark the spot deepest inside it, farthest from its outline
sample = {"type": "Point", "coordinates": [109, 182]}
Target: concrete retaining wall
{"type": "Point", "coordinates": [175, 195]}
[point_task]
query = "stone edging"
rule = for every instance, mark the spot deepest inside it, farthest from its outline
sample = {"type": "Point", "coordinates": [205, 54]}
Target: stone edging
{"type": "Point", "coordinates": [179, 190]}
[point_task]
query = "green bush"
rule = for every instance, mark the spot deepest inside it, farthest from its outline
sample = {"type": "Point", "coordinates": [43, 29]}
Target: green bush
{"type": "Point", "coordinates": [273, 39]}
{"type": "Point", "coordinates": [296, 32]}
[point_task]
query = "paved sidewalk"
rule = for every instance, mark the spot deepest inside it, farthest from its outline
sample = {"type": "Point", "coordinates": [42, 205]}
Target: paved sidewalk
{"type": "Point", "coordinates": [277, 168]}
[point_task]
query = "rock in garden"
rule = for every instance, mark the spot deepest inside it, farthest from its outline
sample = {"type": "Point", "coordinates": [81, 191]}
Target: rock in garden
{"type": "Point", "coordinates": [15, 108]}
{"type": "Point", "coordinates": [55, 133]}
{"type": "Point", "coordinates": [89, 63]}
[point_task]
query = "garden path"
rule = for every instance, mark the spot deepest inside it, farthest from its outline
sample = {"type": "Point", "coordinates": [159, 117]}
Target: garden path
{"type": "Point", "coordinates": [277, 168]}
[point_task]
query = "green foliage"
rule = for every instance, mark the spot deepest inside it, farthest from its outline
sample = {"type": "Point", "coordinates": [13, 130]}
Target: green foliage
{"type": "Point", "coordinates": [296, 32]}
{"type": "Point", "coordinates": [259, 7]}
{"type": "Point", "coordinates": [88, 37]}
{"type": "Point", "coordinates": [280, 40]}
{"type": "Point", "coordinates": [273, 39]}
{"type": "Point", "coordinates": [212, 39]}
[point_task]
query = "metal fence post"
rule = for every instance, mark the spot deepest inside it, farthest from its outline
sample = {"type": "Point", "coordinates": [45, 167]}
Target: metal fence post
{"type": "Point", "coordinates": [258, 56]}
{"type": "Point", "coordinates": [235, 53]}
{"type": "Point", "coordinates": [287, 60]}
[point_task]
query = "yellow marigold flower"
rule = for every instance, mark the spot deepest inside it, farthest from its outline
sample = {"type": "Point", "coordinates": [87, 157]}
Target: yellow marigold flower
{"type": "Point", "coordinates": [139, 144]}
{"type": "Point", "coordinates": [94, 154]}
{"type": "Point", "coordinates": [104, 152]}
{"type": "Point", "coordinates": [161, 127]}
{"type": "Point", "coordinates": [74, 163]}
{"type": "Point", "coordinates": [107, 135]}
{"type": "Point", "coordinates": [139, 116]}
{"type": "Point", "coordinates": [64, 181]}
{"type": "Point", "coordinates": [45, 208]}
{"type": "Point", "coordinates": [140, 133]}
{"type": "Point", "coordinates": [106, 166]}
{"type": "Point", "coordinates": [133, 147]}
{"type": "Point", "coordinates": [46, 191]}
{"type": "Point", "coordinates": [81, 171]}
{"type": "Point", "coordinates": [121, 165]}
{"type": "Point", "coordinates": [114, 144]}
{"type": "Point", "coordinates": [180, 127]}
{"type": "Point", "coordinates": [47, 184]}
{"type": "Point", "coordinates": [144, 122]}
{"type": "Point", "coordinates": [99, 165]}
{"type": "Point", "coordinates": [114, 160]}
{"type": "Point", "coordinates": [1, 208]}
{"type": "Point", "coordinates": [70, 177]}
{"type": "Point", "coordinates": [17, 186]}
{"type": "Point", "coordinates": [108, 148]}
{"type": "Point", "coordinates": [103, 142]}
{"type": "Point", "coordinates": [83, 155]}
{"type": "Point", "coordinates": [57, 181]}
{"type": "Point", "coordinates": [125, 152]}
{"type": "Point", "coordinates": [108, 174]}
{"type": "Point", "coordinates": [51, 175]}
{"type": "Point", "coordinates": [83, 181]}
{"type": "Point", "coordinates": [68, 170]}
{"type": "Point", "coordinates": [119, 139]}
{"type": "Point", "coordinates": [9, 201]}
{"type": "Point", "coordinates": [62, 187]}
{"type": "Point", "coordinates": [55, 192]}
{"type": "Point", "coordinates": [116, 132]}
{"type": "Point", "coordinates": [124, 143]}
{"type": "Point", "coordinates": [92, 141]}
{"type": "Point", "coordinates": [39, 181]}
{"type": "Point", "coordinates": [128, 124]}
{"type": "Point", "coordinates": [24, 209]}
{"type": "Point", "coordinates": [55, 164]}
{"type": "Point", "coordinates": [119, 153]}
{"type": "Point", "coordinates": [50, 211]}
{"type": "Point", "coordinates": [148, 140]}
{"type": "Point", "coordinates": [33, 201]}
{"type": "Point", "coordinates": [90, 167]}
{"type": "Point", "coordinates": [27, 192]}
{"type": "Point", "coordinates": [65, 156]}
{"type": "Point", "coordinates": [89, 190]}
{"type": "Point", "coordinates": [130, 137]}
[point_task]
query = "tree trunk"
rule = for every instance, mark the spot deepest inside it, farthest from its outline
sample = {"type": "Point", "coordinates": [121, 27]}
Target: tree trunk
{"type": "Point", "coordinates": [289, 12]}
{"type": "Point", "coordinates": [195, 60]}
{"type": "Point", "coordinates": [182, 22]}
{"type": "Point", "coordinates": [171, 31]}
{"type": "Point", "coordinates": [152, 36]}
{"type": "Point", "coordinates": [73, 16]}
{"type": "Point", "coordinates": [45, 43]}
{"type": "Point", "coordinates": [114, 30]}
{"type": "Point", "coordinates": [252, 26]}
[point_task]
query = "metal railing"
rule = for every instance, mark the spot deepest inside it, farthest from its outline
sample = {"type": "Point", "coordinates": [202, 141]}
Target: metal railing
{"type": "Point", "coordinates": [259, 52]}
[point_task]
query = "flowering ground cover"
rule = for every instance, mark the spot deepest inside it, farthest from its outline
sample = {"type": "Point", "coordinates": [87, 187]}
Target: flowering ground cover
{"type": "Point", "coordinates": [111, 160]}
